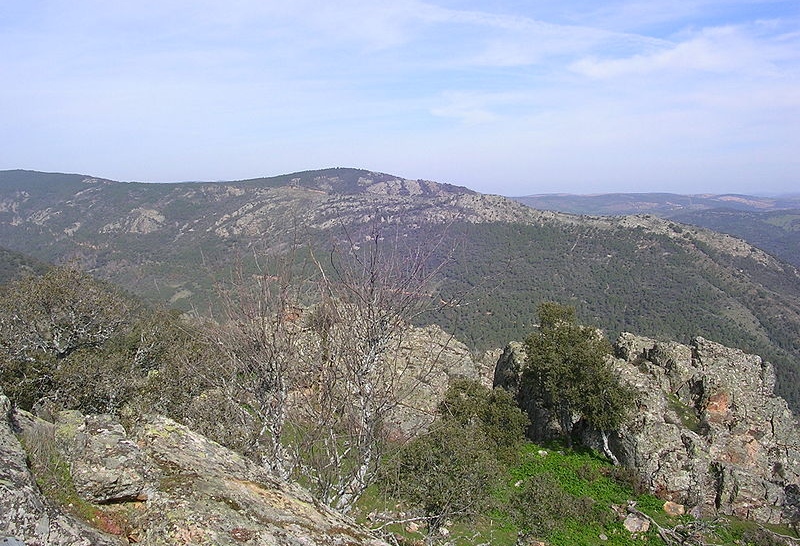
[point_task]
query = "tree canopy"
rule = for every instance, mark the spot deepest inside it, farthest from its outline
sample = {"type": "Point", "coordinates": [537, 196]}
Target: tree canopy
{"type": "Point", "coordinates": [567, 365]}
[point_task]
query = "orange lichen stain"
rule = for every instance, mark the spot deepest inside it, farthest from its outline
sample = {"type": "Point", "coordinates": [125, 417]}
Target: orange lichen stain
{"type": "Point", "coordinates": [718, 407]}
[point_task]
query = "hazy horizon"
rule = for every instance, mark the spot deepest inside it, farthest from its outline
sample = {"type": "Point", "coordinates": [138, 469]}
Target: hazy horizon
{"type": "Point", "coordinates": [688, 96]}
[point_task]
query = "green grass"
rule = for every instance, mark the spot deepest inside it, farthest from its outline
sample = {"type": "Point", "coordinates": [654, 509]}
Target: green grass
{"type": "Point", "coordinates": [686, 414]}
{"type": "Point", "coordinates": [588, 479]}
{"type": "Point", "coordinates": [581, 475]}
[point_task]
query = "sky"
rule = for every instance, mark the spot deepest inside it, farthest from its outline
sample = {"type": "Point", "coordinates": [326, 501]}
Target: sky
{"type": "Point", "coordinates": [508, 97]}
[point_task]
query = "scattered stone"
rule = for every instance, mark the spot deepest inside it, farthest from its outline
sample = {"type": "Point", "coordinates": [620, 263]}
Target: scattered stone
{"type": "Point", "coordinates": [674, 509]}
{"type": "Point", "coordinates": [635, 524]}
{"type": "Point", "coordinates": [619, 510]}
{"type": "Point", "coordinates": [603, 537]}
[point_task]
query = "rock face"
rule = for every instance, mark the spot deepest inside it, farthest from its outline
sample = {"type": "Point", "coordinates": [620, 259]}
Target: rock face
{"type": "Point", "coordinates": [207, 494]}
{"type": "Point", "coordinates": [24, 514]}
{"type": "Point", "coordinates": [106, 466]}
{"type": "Point", "coordinates": [165, 485]}
{"type": "Point", "coordinates": [507, 375]}
{"type": "Point", "coordinates": [431, 360]}
{"type": "Point", "coordinates": [708, 431]}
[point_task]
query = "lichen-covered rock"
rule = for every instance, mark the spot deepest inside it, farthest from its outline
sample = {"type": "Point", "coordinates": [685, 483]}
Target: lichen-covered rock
{"type": "Point", "coordinates": [197, 492]}
{"type": "Point", "coordinates": [709, 431]}
{"type": "Point", "coordinates": [106, 466]}
{"type": "Point", "coordinates": [210, 495]}
{"type": "Point", "coordinates": [25, 516]}
{"type": "Point", "coordinates": [427, 360]}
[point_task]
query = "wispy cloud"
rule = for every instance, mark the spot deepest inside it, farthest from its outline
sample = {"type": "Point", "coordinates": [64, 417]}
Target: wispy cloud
{"type": "Point", "coordinates": [721, 50]}
{"type": "Point", "coordinates": [571, 90]}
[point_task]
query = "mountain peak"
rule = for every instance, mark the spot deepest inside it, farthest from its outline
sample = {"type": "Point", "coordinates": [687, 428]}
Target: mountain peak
{"type": "Point", "coordinates": [350, 181]}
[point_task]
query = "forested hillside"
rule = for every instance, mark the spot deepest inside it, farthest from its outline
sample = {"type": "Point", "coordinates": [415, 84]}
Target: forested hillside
{"type": "Point", "coordinates": [777, 232]}
{"type": "Point", "coordinates": [15, 264]}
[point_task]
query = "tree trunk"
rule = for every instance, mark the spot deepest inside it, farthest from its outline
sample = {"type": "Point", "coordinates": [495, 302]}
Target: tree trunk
{"type": "Point", "coordinates": [607, 449]}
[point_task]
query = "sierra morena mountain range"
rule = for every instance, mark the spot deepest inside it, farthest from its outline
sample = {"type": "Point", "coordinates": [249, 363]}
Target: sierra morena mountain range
{"type": "Point", "coordinates": [171, 243]}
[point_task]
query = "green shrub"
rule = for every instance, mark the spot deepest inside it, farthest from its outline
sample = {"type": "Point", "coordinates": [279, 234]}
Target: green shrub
{"type": "Point", "coordinates": [447, 473]}
{"type": "Point", "coordinates": [500, 422]}
{"type": "Point", "coordinates": [541, 505]}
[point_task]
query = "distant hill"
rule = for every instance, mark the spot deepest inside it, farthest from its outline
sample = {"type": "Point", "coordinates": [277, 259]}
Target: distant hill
{"type": "Point", "coordinates": [661, 204]}
{"type": "Point", "coordinates": [770, 223]}
{"type": "Point", "coordinates": [172, 242]}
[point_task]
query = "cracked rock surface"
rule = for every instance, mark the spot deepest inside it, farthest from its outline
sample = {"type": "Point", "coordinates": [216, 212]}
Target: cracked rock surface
{"type": "Point", "coordinates": [708, 431]}
{"type": "Point", "coordinates": [158, 484]}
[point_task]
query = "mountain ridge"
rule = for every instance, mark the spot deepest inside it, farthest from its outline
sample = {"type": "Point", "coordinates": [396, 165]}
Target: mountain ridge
{"type": "Point", "coordinates": [173, 243]}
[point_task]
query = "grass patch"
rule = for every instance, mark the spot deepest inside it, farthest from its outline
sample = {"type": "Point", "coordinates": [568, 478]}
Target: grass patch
{"type": "Point", "coordinates": [555, 494]}
{"type": "Point", "coordinates": [563, 497]}
{"type": "Point", "coordinates": [686, 414]}
{"type": "Point", "coordinates": [569, 497]}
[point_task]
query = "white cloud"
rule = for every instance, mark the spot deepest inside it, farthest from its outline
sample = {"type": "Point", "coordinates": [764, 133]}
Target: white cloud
{"type": "Point", "coordinates": [628, 91]}
{"type": "Point", "coordinates": [715, 50]}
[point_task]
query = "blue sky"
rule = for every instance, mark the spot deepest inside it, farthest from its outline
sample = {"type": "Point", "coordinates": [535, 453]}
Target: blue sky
{"type": "Point", "coordinates": [509, 97]}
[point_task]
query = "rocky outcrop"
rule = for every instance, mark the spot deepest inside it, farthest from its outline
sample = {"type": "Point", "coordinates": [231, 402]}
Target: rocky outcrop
{"type": "Point", "coordinates": [25, 515]}
{"type": "Point", "coordinates": [708, 431]}
{"type": "Point", "coordinates": [157, 484]}
{"type": "Point", "coordinates": [430, 360]}
{"type": "Point", "coordinates": [106, 466]}
{"type": "Point", "coordinates": [508, 375]}
{"type": "Point", "coordinates": [207, 494]}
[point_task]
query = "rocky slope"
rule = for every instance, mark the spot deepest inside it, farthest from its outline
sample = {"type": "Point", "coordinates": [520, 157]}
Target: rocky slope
{"type": "Point", "coordinates": [708, 431]}
{"type": "Point", "coordinates": [157, 483]}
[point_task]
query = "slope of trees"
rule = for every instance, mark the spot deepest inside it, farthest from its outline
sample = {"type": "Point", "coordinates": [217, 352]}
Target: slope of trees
{"type": "Point", "coordinates": [169, 242]}
{"type": "Point", "coordinates": [672, 288]}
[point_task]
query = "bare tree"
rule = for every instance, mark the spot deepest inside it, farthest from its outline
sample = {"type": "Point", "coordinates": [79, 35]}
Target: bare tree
{"type": "Point", "coordinates": [260, 337]}
{"type": "Point", "coordinates": [324, 379]}
{"type": "Point", "coordinates": [370, 294]}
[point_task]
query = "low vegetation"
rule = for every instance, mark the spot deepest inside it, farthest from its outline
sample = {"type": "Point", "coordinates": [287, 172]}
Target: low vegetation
{"type": "Point", "coordinates": [311, 393]}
